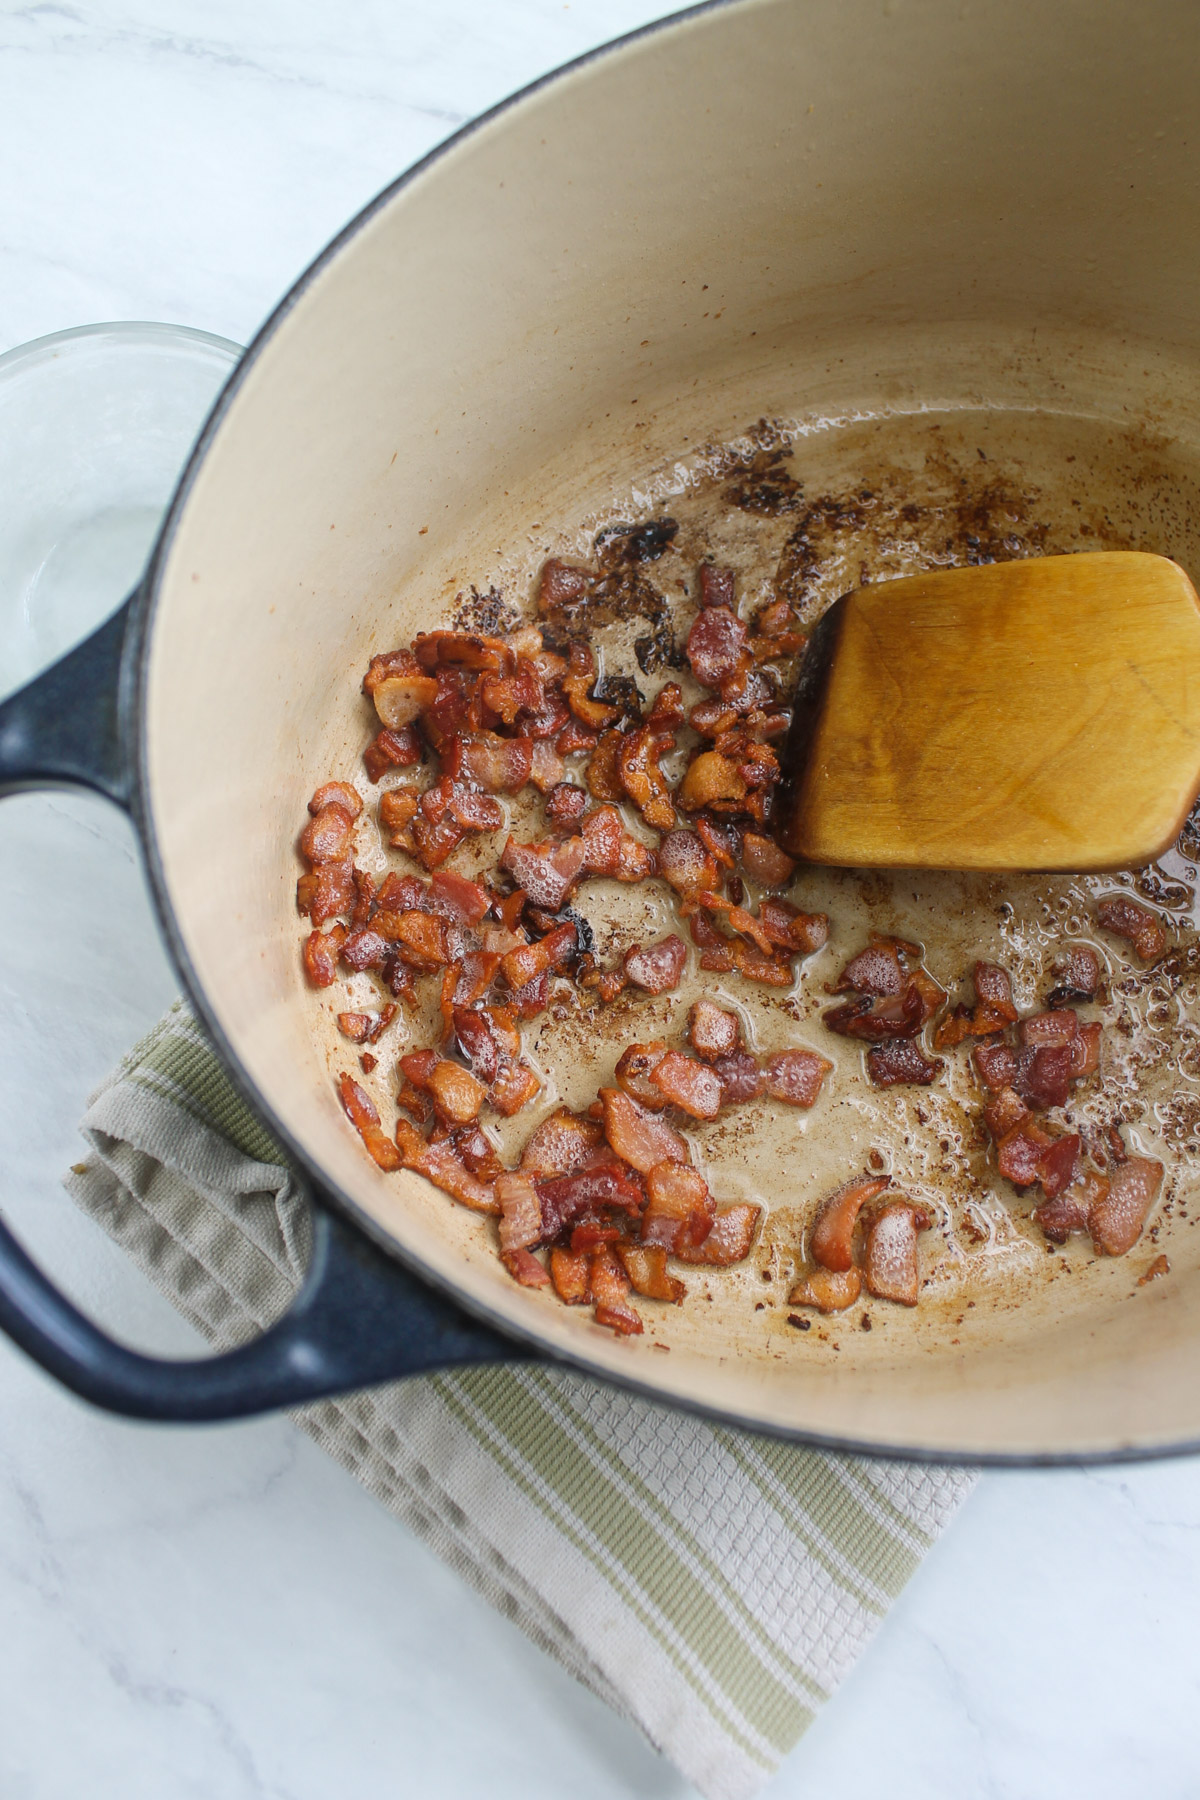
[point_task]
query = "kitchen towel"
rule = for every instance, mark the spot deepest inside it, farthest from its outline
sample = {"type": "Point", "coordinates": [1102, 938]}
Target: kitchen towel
{"type": "Point", "coordinates": [710, 1585]}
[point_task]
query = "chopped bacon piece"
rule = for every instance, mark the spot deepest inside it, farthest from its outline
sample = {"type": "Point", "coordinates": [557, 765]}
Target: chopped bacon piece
{"type": "Point", "coordinates": [327, 891]}
{"type": "Point", "coordinates": [1005, 1112]}
{"type": "Point", "coordinates": [827, 1290]}
{"type": "Point", "coordinates": [610, 1290]}
{"type": "Point", "coordinates": [715, 644]}
{"type": "Point", "coordinates": [399, 699]}
{"type": "Point", "coordinates": [899, 1016]}
{"type": "Point", "coordinates": [476, 1041]}
{"type": "Point", "coordinates": [1068, 1212]}
{"type": "Point", "coordinates": [996, 1064]}
{"type": "Point", "coordinates": [391, 662]}
{"type": "Point", "coordinates": [417, 1066]}
{"type": "Point", "coordinates": [401, 893]}
{"type": "Point", "coordinates": [419, 937]}
{"type": "Point", "coordinates": [391, 750]}
{"type": "Point", "coordinates": [729, 1240]}
{"type": "Point", "coordinates": [1056, 1167]}
{"type": "Point", "coordinates": [546, 872]}
{"type": "Point", "coordinates": [685, 863]}
{"type": "Point", "coordinates": [321, 952]}
{"type": "Point", "coordinates": [642, 779]}
{"type": "Point", "coordinates": [1044, 1076]}
{"type": "Point", "coordinates": [902, 1063]}
{"type": "Point", "coordinates": [510, 696]}
{"type": "Point", "coordinates": [438, 1163]}
{"type": "Point", "coordinates": [577, 687]}
{"type": "Point", "coordinates": [561, 1144]}
{"type": "Point", "coordinates": [563, 585]}
{"type": "Point", "coordinates": [457, 897]}
{"type": "Point", "coordinates": [464, 650]}
{"type": "Point", "coordinates": [1136, 924]}
{"type": "Point", "coordinates": [639, 1137]}
{"type": "Point", "coordinates": [877, 970]}
{"type": "Point", "coordinates": [324, 838]}
{"type": "Point", "coordinates": [795, 1076]}
{"type": "Point", "coordinates": [398, 978]}
{"type": "Point", "coordinates": [657, 968]}
{"type": "Point", "coordinates": [691, 1085]}
{"type": "Point", "coordinates": [520, 1211]}
{"type": "Point", "coordinates": [529, 962]}
{"type": "Point", "coordinates": [434, 843]}
{"type": "Point", "coordinates": [890, 1266]}
{"type": "Point", "coordinates": [740, 1077]}
{"type": "Point", "coordinates": [566, 804]}
{"type": "Point", "coordinates": [589, 1235]}
{"type": "Point", "coordinates": [355, 1025]}
{"type": "Point", "coordinates": [1020, 1152]}
{"type": "Point", "coordinates": [712, 1031]}
{"type": "Point", "coordinates": [680, 1209]}
{"type": "Point", "coordinates": [502, 765]}
{"type": "Point", "coordinates": [566, 1198]}
{"type": "Point", "coordinates": [633, 1072]}
{"type": "Point", "coordinates": [929, 993]}
{"type": "Point", "coordinates": [722, 839]}
{"type": "Point", "coordinates": [603, 769]}
{"type": "Point", "coordinates": [1086, 1050]}
{"type": "Point", "coordinates": [716, 585]}
{"type": "Point", "coordinates": [646, 1267]}
{"type": "Point", "coordinates": [832, 1239]}
{"type": "Point", "coordinates": [711, 780]}
{"type": "Point", "coordinates": [716, 953]}
{"type": "Point", "coordinates": [525, 1268]}
{"type": "Point", "coordinates": [1049, 1029]}
{"type": "Point", "coordinates": [477, 1151]}
{"type": "Point", "coordinates": [1115, 1219]}
{"type": "Point", "coordinates": [790, 929]}
{"type": "Point", "coordinates": [765, 862]}
{"type": "Point", "coordinates": [570, 1271]}
{"type": "Point", "coordinates": [515, 1086]}
{"type": "Point", "coordinates": [456, 1093]}
{"type": "Point", "coordinates": [528, 1001]}
{"type": "Point", "coordinates": [338, 793]}
{"type": "Point", "coordinates": [361, 1111]}
{"type": "Point", "coordinates": [471, 811]}
{"type": "Point", "coordinates": [994, 988]}
{"type": "Point", "coordinates": [1078, 972]}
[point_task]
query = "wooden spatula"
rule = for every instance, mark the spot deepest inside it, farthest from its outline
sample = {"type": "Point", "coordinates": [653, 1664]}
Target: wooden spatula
{"type": "Point", "coordinates": [1042, 714]}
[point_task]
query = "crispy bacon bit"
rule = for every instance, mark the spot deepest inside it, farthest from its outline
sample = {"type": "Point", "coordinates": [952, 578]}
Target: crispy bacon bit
{"type": "Point", "coordinates": [1078, 972]}
{"type": "Point", "coordinates": [419, 937]}
{"type": "Point", "coordinates": [715, 644]}
{"type": "Point", "coordinates": [877, 971]}
{"type": "Point", "coordinates": [1086, 1050]}
{"type": "Point", "coordinates": [832, 1240]}
{"type": "Point", "coordinates": [464, 650]}
{"type": "Point", "coordinates": [355, 1025]}
{"type": "Point", "coordinates": [529, 962]}
{"type": "Point", "coordinates": [520, 1211]}
{"type": "Point", "coordinates": [712, 1032]}
{"type": "Point", "coordinates": [563, 586]}
{"type": "Point", "coordinates": [899, 1016]}
{"type": "Point", "coordinates": [657, 968]}
{"type": "Point", "coordinates": [438, 1163]}
{"type": "Point", "coordinates": [528, 1001]}
{"type": "Point", "coordinates": [685, 863]}
{"type": "Point", "coordinates": [716, 585]}
{"type": "Point", "coordinates": [570, 1271]}
{"type": "Point", "coordinates": [577, 686]}
{"type": "Point", "coordinates": [566, 1198]}
{"type": "Point", "coordinates": [795, 1076]}
{"type": "Point", "coordinates": [546, 872]}
{"type": "Point", "coordinates": [399, 699]}
{"type": "Point", "coordinates": [827, 1290]}
{"type": "Point", "coordinates": [1056, 1168]}
{"type": "Point", "coordinates": [1115, 1219]}
{"type": "Point", "coordinates": [639, 1137]}
{"type": "Point", "coordinates": [456, 1093]}
{"type": "Point", "coordinates": [1066, 1213]}
{"type": "Point", "coordinates": [610, 1290]}
{"type": "Point", "coordinates": [995, 1064]}
{"type": "Point", "coordinates": [1160, 1266]}
{"type": "Point", "coordinates": [1020, 1151]}
{"type": "Point", "coordinates": [994, 988]}
{"type": "Point", "coordinates": [1141, 928]}
{"type": "Point", "coordinates": [740, 1077]}
{"type": "Point", "coordinates": [501, 765]}
{"type": "Point", "coordinates": [765, 862]}
{"type": "Point", "coordinates": [1050, 1030]}
{"type": "Point", "coordinates": [646, 1267]}
{"type": "Point", "coordinates": [1005, 1112]}
{"type": "Point", "coordinates": [566, 804]}
{"type": "Point", "coordinates": [633, 1072]}
{"type": "Point", "coordinates": [561, 1144]}
{"type": "Point", "coordinates": [321, 952]}
{"type": "Point", "coordinates": [890, 1266]}
{"type": "Point", "coordinates": [902, 1063]}
{"type": "Point", "coordinates": [1044, 1076]}
{"type": "Point", "coordinates": [361, 1111]}
{"type": "Point", "coordinates": [325, 838]}
{"type": "Point", "coordinates": [642, 779]}
{"type": "Point", "coordinates": [690, 1085]}
{"type": "Point", "coordinates": [711, 780]}
{"type": "Point", "coordinates": [391, 750]}
{"type": "Point", "coordinates": [457, 897]}
{"type": "Point", "coordinates": [722, 838]}
{"type": "Point", "coordinates": [729, 1240]}
{"type": "Point", "coordinates": [680, 1208]}
{"type": "Point", "coordinates": [514, 1086]}
{"type": "Point", "coordinates": [339, 793]}
{"type": "Point", "coordinates": [327, 891]}
{"type": "Point", "coordinates": [525, 1268]}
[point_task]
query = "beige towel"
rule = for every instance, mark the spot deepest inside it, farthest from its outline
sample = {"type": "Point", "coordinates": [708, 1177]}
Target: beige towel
{"type": "Point", "coordinates": [710, 1585]}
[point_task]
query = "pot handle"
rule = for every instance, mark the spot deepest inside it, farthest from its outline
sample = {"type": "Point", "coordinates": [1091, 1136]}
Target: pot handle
{"type": "Point", "coordinates": [358, 1318]}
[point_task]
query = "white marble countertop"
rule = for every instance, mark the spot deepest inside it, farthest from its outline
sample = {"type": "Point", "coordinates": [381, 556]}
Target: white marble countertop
{"type": "Point", "coordinates": [220, 1614]}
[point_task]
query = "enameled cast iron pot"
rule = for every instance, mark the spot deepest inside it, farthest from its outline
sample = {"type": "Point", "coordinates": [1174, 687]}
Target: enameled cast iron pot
{"type": "Point", "coordinates": [815, 209]}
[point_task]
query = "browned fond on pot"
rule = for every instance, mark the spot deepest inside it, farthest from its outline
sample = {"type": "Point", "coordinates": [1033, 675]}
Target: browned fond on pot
{"type": "Point", "coordinates": [874, 226]}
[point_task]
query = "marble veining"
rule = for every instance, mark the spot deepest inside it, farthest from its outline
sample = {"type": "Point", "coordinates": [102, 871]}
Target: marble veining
{"type": "Point", "coordinates": [223, 1614]}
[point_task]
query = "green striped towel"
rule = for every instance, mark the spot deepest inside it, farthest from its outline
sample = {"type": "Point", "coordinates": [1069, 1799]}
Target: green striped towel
{"type": "Point", "coordinates": [712, 1586]}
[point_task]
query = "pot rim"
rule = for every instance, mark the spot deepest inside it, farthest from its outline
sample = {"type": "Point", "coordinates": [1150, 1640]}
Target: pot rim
{"type": "Point", "coordinates": [324, 1190]}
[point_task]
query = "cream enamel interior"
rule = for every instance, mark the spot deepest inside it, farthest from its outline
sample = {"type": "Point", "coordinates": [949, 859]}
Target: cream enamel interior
{"type": "Point", "coordinates": [818, 211]}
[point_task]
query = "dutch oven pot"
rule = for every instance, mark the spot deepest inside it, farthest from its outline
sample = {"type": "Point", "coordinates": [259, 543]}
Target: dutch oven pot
{"type": "Point", "coordinates": [822, 210]}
